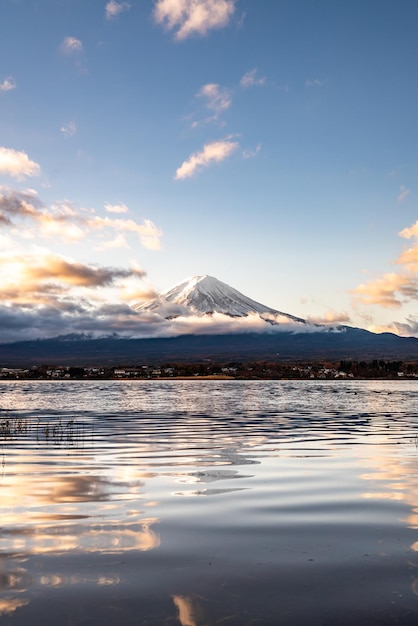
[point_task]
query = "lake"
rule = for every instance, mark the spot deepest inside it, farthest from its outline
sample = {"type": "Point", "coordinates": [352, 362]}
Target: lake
{"type": "Point", "coordinates": [200, 503]}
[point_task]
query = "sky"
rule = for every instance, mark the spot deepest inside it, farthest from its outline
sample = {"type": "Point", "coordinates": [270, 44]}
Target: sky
{"type": "Point", "coordinates": [271, 144]}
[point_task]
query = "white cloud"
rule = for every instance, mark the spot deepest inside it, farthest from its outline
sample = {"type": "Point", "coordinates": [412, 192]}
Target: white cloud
{"type": "Point", "coordinates": [17, 164]}
{"type": "Point", "coordinates": [193, 17]}
{"type": "Point", "coordinates": [8, 84]}
{"type": "Point", "coordinates": [249, 154]}
{"type": "Point", "coordinates": [216, 152]}
{"type": "Point", "coordinates": [250, 79]}
{"type": "Point", "coordinates": [313, 82]}
{"type": "Point", "coordinates": [113, 8]}
{"type": "Point", "coordinates": [149, 234]}
{"type": "Point", "coordinates": [69, 130]}
{"type": "Point", "coordinates": [118, 242]}
{"type": "Point", "coordinates": [116, 208]}
{"type": "Point", "coordinates": [403, 193]}
{"type": "Point", "coordinates": [61, 220]}
{"type": "Point", "coordinates": [218, 99]}
{"type": "Point", "coordinates": [71, 45]}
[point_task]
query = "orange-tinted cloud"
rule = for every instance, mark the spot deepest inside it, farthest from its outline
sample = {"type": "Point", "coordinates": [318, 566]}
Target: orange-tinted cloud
{"type": "Point", "coordinates": [331, 317]}
{"type": "Point", "coordinates": [64, 221]}
{"type": "Point", "coordinates": [388, 291]}
{"type": "Point", "coordinates": [17, 164]}
{"type": "Point", "coordinates": [213, 152]}
{"type": "Point", "coordinates": [394, 288]}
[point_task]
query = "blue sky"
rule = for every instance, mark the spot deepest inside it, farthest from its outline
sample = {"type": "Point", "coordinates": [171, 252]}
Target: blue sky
{"type": "Point", "coordinates": [271, 144]}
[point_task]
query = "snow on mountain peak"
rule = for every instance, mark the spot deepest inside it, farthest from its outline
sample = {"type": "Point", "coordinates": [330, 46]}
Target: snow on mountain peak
{"type": "Point", "coordinates": [205, 295]}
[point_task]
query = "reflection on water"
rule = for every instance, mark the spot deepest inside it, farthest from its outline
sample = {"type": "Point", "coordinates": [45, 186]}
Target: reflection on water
{"type": "Point", "coordinates": [313, 487]}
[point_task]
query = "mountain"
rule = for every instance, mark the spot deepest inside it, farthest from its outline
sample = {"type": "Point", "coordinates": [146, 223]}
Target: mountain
{"type": "Point", "coordinates": [276, 336]}
{"type": "Point", "coordinates": [205, 295]}
{"type": "Point", "coordinates": [349, 344]}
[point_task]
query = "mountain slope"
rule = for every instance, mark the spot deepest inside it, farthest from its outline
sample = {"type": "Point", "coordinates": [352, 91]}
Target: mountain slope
{"type": "Point", "coordinates": [205, 295]}
{"type": "Point", "coordinates": [353, 343]}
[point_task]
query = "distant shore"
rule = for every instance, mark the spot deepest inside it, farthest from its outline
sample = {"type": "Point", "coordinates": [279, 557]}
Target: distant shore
{"type": "Point", "coordinates": [232, 370]}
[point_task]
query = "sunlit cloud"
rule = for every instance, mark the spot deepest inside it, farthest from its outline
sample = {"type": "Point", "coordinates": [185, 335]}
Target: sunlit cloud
{"type": "Point", "coordinates": [409, 258]}
{"type": "Point", "coordinates": [411, 231]}
{"type": "Point", "coordinates": [193, 17]}
{"type": "Point", "coordinates": [113, 8]}
{"type": "Point", "coordinates": [251, 79]}
{"type": "Point", "coordinates": [330, 318]}
{"type": "Point", "coordinates": [71, 46]}
{"type": "Point", "coordinates": [69, 130]}
{"type": "Point", "coordinates": [213, 152]}
{"type": "Point", "coordinates": [391, 290]}
{"type": "Point", "coordinates": [403, 194]}
{"type": "Point", "coordinates": [404, 329]}
{"type": "Point", "coordinates": [218, 99]}
{"type": "Point", "coordinates": [149, 234]}
{"type": "Point", "coordinates": [8, 84]}
{"type": "Point", "coordinates": [17, 164]}
{"type": "Point", "coordinates": [53, 267]}
{"type": "Point", "coordinates": [36, 273]}
{"type": "Point", "coordinates": [118, 242]}
{"type": "Point", "coordinates": [394, 289]}
{"type": "Point", "coordinates": [44, 294]}
{"type": "Point", "coordinates": [63, 221]}
{"type": "Point", "coordinates": [116, 208]}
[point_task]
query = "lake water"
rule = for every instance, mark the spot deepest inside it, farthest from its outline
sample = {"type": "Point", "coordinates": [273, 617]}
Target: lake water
{"type": "Point", "coordinates": [200, 503]}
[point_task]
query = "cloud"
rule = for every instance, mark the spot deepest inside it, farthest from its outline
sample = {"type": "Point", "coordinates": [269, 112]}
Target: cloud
{"type": "Point", "coordinates": [330, 317]}
{"type": "Point", "coordinates": [73, 273]}
{"type": "Point", "coordinates": [62, 220]}
{"type": "Point", "coordinates": [395, 288]}
{"type": "Point", "coordinates": [313, 82]}
{"type": "Point", "coordinates": [216, 151]}
{"type": "Point", "coordinates": [33, 273]}
{"type": "Point", "coordinates": [403, 193]}
{"type": "Point", "coordinates": [8, 84]}
{"type": "Point", "coordinates": [17, 164]}
{"type": "Point", "coordinates": [116, 208]}
{"type": "Point", "coordinates": [250, 79]}
{"type": "Point", "coordinates": [71, 46]}
{"type": "Point", "coordinates": [391, 290]}
{"type": "Point", "coordinates": [411, 231]}
{"type": "Point", "coordinates": [218, 99]}
{"type": "Point", "coordinates": [249, 154]}
{"type": "Point", "coordinates": [18, 204]}
{"type": "Point", "coordinates": [113, 8]}
{"type": "Point", "coordinates": [193, 17]}
{"type": "Point", "coordinates": [118, 242]}
{"type": "Point", "coordinates": [148, 232]}
{"type": "Point", "coordinates": [409, 258]}
{"type": "Point", "coordinates": [69, 130]}
{"type": "Point", "coordinates": [43, 295]}
{"type": "Point", "coordinates": [404, 329]}
{"type": "Point", "coordinates": [54, 314]}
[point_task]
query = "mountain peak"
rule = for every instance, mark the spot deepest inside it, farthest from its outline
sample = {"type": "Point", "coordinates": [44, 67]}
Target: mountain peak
{"type": "Point", "coordinates": [205, 295]}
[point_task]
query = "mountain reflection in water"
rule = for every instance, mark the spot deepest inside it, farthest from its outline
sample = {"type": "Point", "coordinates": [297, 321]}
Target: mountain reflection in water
{"type": "Point", "coordinates": [312, 515]}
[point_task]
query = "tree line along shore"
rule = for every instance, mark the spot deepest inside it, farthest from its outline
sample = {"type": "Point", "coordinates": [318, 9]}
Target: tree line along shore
{"type": "Point", "coordinates": [253, 370]}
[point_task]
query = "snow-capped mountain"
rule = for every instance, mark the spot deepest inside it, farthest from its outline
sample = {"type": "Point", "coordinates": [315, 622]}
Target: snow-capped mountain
{"type": "Point", "coordinates": [205, 295]}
